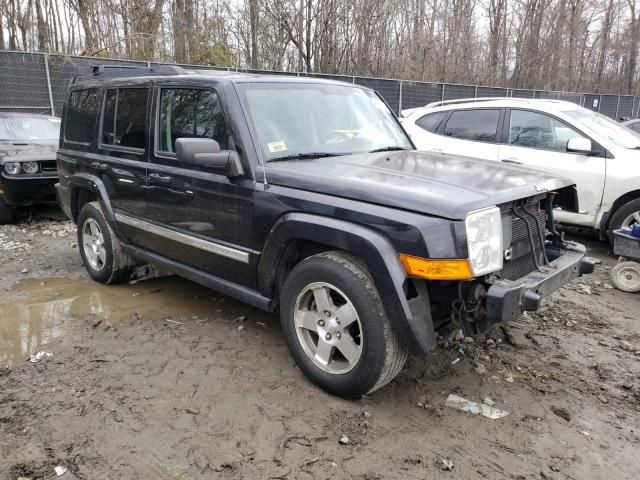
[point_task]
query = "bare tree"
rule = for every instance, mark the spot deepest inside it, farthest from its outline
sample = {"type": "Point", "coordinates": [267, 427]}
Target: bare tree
{"type": "Point", "coordinates": [551, 44]}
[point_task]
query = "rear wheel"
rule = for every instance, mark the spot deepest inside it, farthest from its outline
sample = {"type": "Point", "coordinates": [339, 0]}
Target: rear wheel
{"type": "Point", "coordinates": [100, 249]}
{"type": "Point", "coordinates": [336, 327]}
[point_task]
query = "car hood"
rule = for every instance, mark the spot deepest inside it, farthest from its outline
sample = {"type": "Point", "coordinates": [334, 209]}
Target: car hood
{"type": "Point", "coordinates": [432, 183]}
{"type": "Point", "coordinates": [20, 150]}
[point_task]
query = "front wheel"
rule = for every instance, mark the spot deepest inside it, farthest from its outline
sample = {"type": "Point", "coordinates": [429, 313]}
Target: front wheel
{"type": "Point", "coordinates": [625, 217]}
{"type": "Point", "coordinates": [336, 327]}
{"type": "Point", "coordinates": [100, 249]}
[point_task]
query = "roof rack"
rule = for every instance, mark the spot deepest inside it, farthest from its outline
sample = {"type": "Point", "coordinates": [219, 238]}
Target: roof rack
{"type": "Point", "coordinates": [472, 100]}
{"type": "Point", "coordinates": [112, 71]}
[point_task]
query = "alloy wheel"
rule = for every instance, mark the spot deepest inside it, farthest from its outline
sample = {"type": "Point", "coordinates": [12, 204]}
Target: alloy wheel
{"type": "Point", "coordinates": [328, 328]}
{"type": "Point", "coordinates": [93, 244]}
{"type": "Point", "coordinates": [631, 220]}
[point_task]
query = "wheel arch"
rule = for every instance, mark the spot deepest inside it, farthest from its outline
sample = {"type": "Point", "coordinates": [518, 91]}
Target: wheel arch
{"type": "Point", "coordinates": [296, 236]}
{"type": "Point", "coordinates": [86, 188]}
{"type": "Point", "coordinates": [619, 202]}
{"type": "Point", "coordinates": [80, 196]}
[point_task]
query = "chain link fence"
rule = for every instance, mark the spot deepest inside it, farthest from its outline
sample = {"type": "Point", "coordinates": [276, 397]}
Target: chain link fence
{"type": "Point", "coordinates": [37, 83]}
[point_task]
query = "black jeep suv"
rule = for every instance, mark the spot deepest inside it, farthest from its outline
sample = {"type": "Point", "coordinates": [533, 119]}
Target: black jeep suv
{"type": "Point", "coordinates": [28, 169]}
{"type": "Point", "coordinates": [306, 196]}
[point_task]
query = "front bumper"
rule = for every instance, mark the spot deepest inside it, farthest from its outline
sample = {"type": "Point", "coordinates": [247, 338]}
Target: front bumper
{"type": "Point", "coordinates": [23, 190]}
{"type": "Point", "coordinates": [507, 299]}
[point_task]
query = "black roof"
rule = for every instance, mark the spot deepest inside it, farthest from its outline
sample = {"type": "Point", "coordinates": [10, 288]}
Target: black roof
{"type": "Point", "coordinates": [123, 72]}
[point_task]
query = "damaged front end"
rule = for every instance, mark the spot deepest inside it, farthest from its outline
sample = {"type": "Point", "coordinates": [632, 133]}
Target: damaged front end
{"type": "Point", "coordinates": [537, 260]}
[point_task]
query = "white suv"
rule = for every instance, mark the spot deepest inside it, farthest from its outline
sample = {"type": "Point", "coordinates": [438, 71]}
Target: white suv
{"type": "Point", "coordinates": [601, 156]}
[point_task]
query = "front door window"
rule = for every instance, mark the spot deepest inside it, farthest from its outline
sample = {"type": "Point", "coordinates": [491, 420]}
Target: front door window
{"type": "Point", "coordinates": [537, 130]}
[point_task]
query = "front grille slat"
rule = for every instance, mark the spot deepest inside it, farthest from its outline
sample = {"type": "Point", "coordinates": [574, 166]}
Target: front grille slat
{"type": "Point", "coordinates": [49, 167]}
{"type": "Point", "coordinates": [522, 262]}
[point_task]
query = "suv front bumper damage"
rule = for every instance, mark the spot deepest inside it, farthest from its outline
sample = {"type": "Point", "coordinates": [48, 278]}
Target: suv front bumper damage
{"type": "Point", "coordinates": [508, 299]}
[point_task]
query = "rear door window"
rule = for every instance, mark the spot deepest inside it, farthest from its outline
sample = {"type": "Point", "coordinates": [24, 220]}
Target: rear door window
{"type": "Point", "coordinates": [431, 121]}
{"type": "Point", "coordinates": [480, 125]}
{"type": "Point", "coordinates": [82, 110]}
{"type": "Point", "coordinates": [125, 117]}
{"type": "Point", "coordinates": [186, 112]}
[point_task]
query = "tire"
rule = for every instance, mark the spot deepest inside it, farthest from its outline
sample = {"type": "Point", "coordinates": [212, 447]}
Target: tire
{"type": "Point", "coordinates": [626, 215]}
{"type": "Point", "coordinates": [100, 249]}
{"type": "Point", "coordinates": [626, 276]}
{"type": "Point", "coordinates": [7, 215]}
{"type": "Point", "coordinates": [345, 359]}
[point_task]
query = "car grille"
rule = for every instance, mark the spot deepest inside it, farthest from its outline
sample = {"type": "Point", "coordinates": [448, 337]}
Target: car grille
{"type": "Point", "coordinates": [522, 262]}
{"type": "Point", "coordinates": [49, 166]}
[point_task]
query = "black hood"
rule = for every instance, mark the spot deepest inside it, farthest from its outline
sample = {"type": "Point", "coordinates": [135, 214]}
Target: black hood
{"type": "Point", "coordinates": [432, 183]}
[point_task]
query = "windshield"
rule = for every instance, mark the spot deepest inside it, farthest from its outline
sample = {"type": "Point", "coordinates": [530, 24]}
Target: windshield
{"type": "Point", "coordinates": [298, 120]}
{"type": "Point", "coordinates": [615, 132]}
{"type": "Point", "coordinates": [29, 129]}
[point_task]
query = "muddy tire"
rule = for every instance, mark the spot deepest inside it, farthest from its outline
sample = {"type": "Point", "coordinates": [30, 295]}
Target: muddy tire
{"type": "Point", "coordinates": [626, 276]}
{"type": "Point", "coordinates": [7, 215]}
{"type": "Point", "coordinates": [336, 327]}
{"type": "Point", "coordinates": [100, 249]}
{"type": "Point", "coordinates": [625, 216]}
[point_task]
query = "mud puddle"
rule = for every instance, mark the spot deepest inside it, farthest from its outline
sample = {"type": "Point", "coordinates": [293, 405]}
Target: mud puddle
{"type": "Point", "coordinates": [47, 308]}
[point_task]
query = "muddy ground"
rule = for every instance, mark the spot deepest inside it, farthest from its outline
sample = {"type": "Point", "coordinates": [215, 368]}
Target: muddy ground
{"type": "Point", "coordinates": [165, 379]}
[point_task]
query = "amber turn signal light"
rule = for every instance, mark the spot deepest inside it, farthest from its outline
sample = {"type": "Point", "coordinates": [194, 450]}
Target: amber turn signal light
{"type": "Point", "coordinates": [437, 269]}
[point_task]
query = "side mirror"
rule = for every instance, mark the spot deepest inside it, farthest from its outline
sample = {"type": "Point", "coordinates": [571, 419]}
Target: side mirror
{"type": "Point", "coordinates": [206, 153]}
{"type": "Point", "coordinates": [579, 145]}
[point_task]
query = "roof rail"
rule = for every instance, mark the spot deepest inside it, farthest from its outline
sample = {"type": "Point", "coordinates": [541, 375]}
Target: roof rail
{"type": "Point", "coordinates": [112, 71]}
{"type": "Point", "coordinates": [472, 100]}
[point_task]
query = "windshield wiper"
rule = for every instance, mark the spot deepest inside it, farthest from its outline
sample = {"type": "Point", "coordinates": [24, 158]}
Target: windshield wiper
{"type": "Point", "coordinates": [390, 148]}
{"type": "Point", "coordinates": [305, 156]}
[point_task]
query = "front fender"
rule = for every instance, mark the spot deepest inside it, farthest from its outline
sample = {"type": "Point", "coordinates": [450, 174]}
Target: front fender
{"type": "Point", "coordinates": [411, 319]}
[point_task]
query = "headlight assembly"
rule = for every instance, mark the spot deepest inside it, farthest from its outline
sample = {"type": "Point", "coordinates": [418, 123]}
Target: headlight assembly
{"type": "Point", "coordinates": [30, 167]}
{"type": "Point", "coordinates": [484, 240]}
{"type": "Point", "coordinates": [12, 168]}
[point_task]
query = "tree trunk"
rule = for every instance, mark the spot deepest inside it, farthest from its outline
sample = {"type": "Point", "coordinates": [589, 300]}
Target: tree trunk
{"type": "Point", "coordinates": [85, 14]}
{"type": "Point", "coordinates": [43, 29]}
{"type": "Point", "coordinates": [253, 26]}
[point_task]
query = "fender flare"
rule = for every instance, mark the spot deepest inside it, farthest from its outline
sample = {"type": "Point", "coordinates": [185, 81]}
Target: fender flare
{"type": "Point", "coordinates": [411, 318]}
{"type": "Point", "coordinates": [92, 183]}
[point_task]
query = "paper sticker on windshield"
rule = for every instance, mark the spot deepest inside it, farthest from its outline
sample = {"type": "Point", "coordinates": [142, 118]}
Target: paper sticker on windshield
{"type": "Point", "coordinates": [275, 147]}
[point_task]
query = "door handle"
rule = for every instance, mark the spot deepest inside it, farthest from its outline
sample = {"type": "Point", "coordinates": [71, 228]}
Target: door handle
{"type": "Point", "coordinates": [515, 161]}
{"type": "Point", "coordinates": [98, 166]}
{"type": "Point", "coordinates": [159, 179]}
{"type": "Point", "coordinates": [436, 150]}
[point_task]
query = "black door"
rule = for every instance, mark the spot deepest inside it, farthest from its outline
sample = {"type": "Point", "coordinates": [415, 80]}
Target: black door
{"type": "Point", "coordinates": [122, 153]}
{"type": "Point", "coordinates": [200, 218]}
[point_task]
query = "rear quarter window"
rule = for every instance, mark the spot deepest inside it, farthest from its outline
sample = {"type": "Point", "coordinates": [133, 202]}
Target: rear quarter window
{"type": "Point", "coordinates": [82, 112]}
{"type": "Point", "coordinates": [431, 121]}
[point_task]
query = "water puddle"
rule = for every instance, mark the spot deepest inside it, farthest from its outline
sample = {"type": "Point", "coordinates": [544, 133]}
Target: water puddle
{"type": "Point", "coordinates": [43, 309]}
